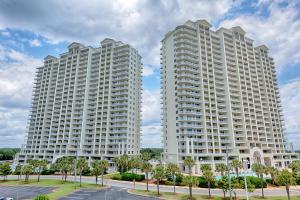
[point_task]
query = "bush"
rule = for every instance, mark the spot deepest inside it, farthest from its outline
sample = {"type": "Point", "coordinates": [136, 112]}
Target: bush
{"type": "Point", "coordinates": [48, 172]}
{"type": "Point", "coordinates": [42, 197]}
{"type": "Point", "coordinates": [130, 176]}
{"type": "Point", "coordinates": [203, 183]}
{"type": "Point", "coordinates": [178, 181]}
{"type": "Point", "coordinates": [256, 181]}
{"type": "Point", "coordinates": [117, 177]}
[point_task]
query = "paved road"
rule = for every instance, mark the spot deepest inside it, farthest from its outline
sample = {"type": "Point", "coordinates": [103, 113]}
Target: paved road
{"type": "Point", "coordinates": [201, 191]}
{"type": "Point", "coordinates": [23, 192]}
{"type": "Point", "coordinates": [112, 193]}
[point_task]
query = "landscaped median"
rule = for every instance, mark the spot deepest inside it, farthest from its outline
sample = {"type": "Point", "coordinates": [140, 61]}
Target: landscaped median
{"type": "Point", "coordinates": [177, 196]}
{"type": "Point", "coordinates": [62, 188]}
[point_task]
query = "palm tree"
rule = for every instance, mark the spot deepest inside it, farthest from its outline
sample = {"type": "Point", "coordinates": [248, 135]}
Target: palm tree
{"type": "Point", "coordinates": [189, 162]}
{"type": "Point", "coordinates": [208, 175]}
{"type": "Point", "coordinates": [96, 170]}
{"type": "Point", "coordinates": [286, 179]}
{"type": "Point", "coordinates": [145, 156]}
{"type": "Point", "coordinates": [190, 181]}
{"type": "Point", "coordinates": [172, 169]}
{"type": "Point", "coordinates": [134, 163]}
{"type": "Point", "coordinates": [221, 167]}
{"type": "Point", "coordinates": [65, 165]}
{"type": "Point", "coordinates": [18, 171]}
{"type": "Point", "coordinates": [5, 170]}
{"type": "Point", "coordinates": [295, 166]}
{"type": "Point", "coordinates": [273, 172]}
{"type": "Point", "coordinates": [81, 165]}
{"type": "Point", "coordinates": [159, 174]}
{"type": "Point", "coordinates": [103, 166]}
{"type": "Point", "coordinates": [260, 170]}
{"type": "Point", "coordinates": [147, 167]}
{"type": "Point", "coordinates": [27, 170]}
{"type": "Point", "coordinates": [236, 164]}
{"type": "Point", "coordinates": [122, 163]}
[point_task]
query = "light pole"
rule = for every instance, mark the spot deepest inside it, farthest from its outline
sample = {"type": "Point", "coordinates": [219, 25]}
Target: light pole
{"type": "Point", "coordinates": [245, 180]}
{"type": "Point", "coordinates": [228, 174]}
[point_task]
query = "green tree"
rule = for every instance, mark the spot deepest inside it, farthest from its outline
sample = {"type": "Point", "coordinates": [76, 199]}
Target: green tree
{"type": "Point", "coordinates": [172, 169]}
{"type": "Point", "coordinates": [81, 165]}
{"type": "Point", "coordinates": [158, 173]}
{"type": "Point", "coordinates": [103, 166]}
{"type": "Point", "coordinates": [27, 170]}
{"type": "Point", "coordinates": [64, 165]}
{"type": "Point", "coordinates": [224, 185]}
{"type": "Point", "coordinates": [38, 166]}
{"type": "Point", "coordinates": [189, 163]}
{"type": "Point", "coordinates": [208, 175]}
{"type": "Point", "coordinates": [237, 165]}
{"type": "Point", "coordinates": [122, 163]}
{"type": "Point", "coordinates": [190, 181]}
{"type": "Point", "coordinates": [295, 166]}
{"type": "Point", "coordinates": [18, 171]}
{"type": "Point", "coordinates": [273, 172]}
{"type": "Point", "coordinates": [145, 156]}
{"type": "Point", "coordinates": [134, 163]}
{"type": "Point", "coordinates": [147, 168]}
{"type": "Point", "coordinates": [286, 179]}
{"type": "Point", "coordinates": [96, 170]}
{"type": "Point", "coordinates": [221, 167]}
{"type": "Point", "coordinates": [5, 170]}
{"type": "Point", "coordinates": [260, 170]}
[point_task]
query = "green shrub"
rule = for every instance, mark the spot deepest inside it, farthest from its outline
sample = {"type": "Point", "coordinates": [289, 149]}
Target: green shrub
{"type": "Point", "coordinates": [130, 176]}
{"type": "Point", "coordinates": [256, 181]}
{"type": "Point", "coordinates": [48, 172]}
{"type": "Point", "coordinates": [203, 183]}
{"type": "Point", "coordinates": [178, 179]}
{"type": "Point", "coordinates": [42, 197]}
{"type": "Point", "coordinates": [117, 177]}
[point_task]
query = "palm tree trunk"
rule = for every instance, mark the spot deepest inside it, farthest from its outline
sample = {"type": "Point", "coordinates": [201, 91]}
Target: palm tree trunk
{"type": "Point", "coordinates": [39, 177]}
{"type": "Point", "coordinates": [209, 195]}
{"type": "Point", "coordinates": [224, 194]}
{"type": "Point", "coordinates": [66, 174]}
{"type": "Point", "coordinates": [157, 184]}
{"type": "Point", "coordinates": [237, 172]}
{"type": "Point", "coordinates": [288, 192]}
{"type": "Point", "coordinates": [190, 189]}
{"type": "Point", "coordinates": [147, 180]}
{"type": "Point", "coordinates": [80, 178]}
{"type": "Point", "coordinates": [102, 178]}
{"type": "Point", "coordinates": [174, 182]}
{"type": "Point", "coordinates": [262, 190]}
{"type": "Point", "coordinates": [96, 179]}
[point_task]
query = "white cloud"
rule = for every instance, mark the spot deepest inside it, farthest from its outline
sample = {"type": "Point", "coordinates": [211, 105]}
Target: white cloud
{"type": "Point", "coordinates": [35, 43]}
{"type": "Point", "coordinates": [151, 106]}
{"type": "Point", "coordinates": [280, 31]}
{"type": "Point", "coordinates": [290, 95]}
{"type": "Point", "coordinates": [5, 33]}
{"type": "Point", "coordinates": [148, 70]}
{"type": "Point", "coordinates": [152, 135]}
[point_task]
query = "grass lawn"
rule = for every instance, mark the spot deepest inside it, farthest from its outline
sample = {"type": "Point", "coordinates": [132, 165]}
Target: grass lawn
{"type": "Point", "coordinates": [61, 188]}
{"type": "Point", "coordinates": [177, 196]}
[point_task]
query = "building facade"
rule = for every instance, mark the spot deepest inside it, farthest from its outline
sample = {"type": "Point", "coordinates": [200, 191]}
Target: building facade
{"type": "Point", "coordinates": [219, 96]}
{"type": "Point", "coordinates": [87, 102]}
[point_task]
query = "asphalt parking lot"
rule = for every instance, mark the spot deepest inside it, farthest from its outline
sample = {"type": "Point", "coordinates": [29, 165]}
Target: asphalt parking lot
{"type": "Point", "coordinates": [23, 192]}
{"type": "Point", "coordinates": [112, 193]}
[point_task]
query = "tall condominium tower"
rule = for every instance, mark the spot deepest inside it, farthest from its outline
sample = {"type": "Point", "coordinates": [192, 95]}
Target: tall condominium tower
{"type": "Point", "coordinates": [86, 102]}
{"type": "Point", "coordinates": [220, 95]}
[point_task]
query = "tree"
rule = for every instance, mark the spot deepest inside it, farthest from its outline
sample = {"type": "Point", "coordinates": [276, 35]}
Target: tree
{"type": "Point", "coordinates": [5, 170]}
{"type": "Point", "coordinates": [158, 174]}
{"type": "Point", "coordinates": [171, 170]}
{"type": "Point", "coordinates": [221, 167]}
{"type": "Point", "coordinates": [260, 170]}
{"type": "Point", "coordinates": [147, 167]}
{"type": "Point", "coordinates": [273, 172]}
{"type": "Point", "coordinates": [224, 184]}
{"type": "Point", "coordinates": [189, 163]}
{"type": "Point", "coordinates": [190, 181]}
{"type": "Point", "coordinates": [27, 170]}
{"type": "Point", "coordinates": [103, 166]}
{"type": "Point", "coordinates": [96, 170]}
{"type": "Point", "coordinates": [236, 164]}
{"type": "Point", "coordinates": [81, 165]}
{"type": "Point", "coordinates": [38, 165]}
{"type": "Point", "coordinates": [65, 165]}
{"type": "Point", "coordinates": [122, 163]}
{"type": "Point", "coordinates": [286, 179]}
{"type": "Point", "coordinates": [145, 156]}
{"type": "Point", "coordinates": [134, 163]}
{"type": "Point", "coordinates": [18, 170]}
{"type": "Point", "coordinates": [295, 166]}
{"type": "Point", "coordinates": [208, 175]}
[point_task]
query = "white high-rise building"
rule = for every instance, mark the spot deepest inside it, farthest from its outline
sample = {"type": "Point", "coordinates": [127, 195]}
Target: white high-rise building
{"type": "Point", "coordinates": [220, 94]}
{"type": "Point", "coordinates": [86, 102]}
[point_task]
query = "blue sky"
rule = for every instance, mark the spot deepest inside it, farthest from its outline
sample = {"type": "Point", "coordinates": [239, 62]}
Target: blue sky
{"type": "Point", "coordinates": [30, 30]}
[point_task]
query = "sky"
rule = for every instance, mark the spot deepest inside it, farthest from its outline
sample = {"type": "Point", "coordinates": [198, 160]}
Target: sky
{"type": "Point", "coordinates": [32, 29]}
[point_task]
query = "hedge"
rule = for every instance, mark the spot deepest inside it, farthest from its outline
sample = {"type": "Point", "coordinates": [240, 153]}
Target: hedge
{"type": "Point", "coordinates": [128, 177]}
